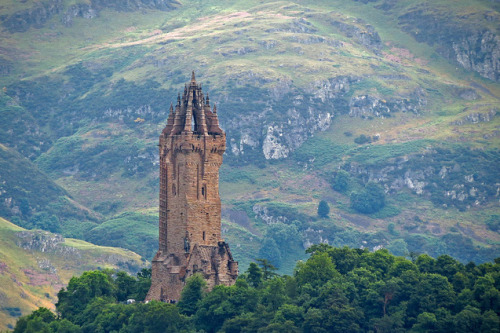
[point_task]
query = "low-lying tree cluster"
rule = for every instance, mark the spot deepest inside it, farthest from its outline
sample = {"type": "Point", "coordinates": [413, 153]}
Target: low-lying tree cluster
{"type": "Point", "coordinates": [335, 290]}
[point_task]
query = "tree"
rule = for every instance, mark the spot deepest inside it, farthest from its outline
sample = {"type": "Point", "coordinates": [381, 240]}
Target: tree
{"type": "Point", "coordinates": [156, 317]}
{"type": "Point", "coordinates": [341, 181]}
{"type": "Point", "coordinates": [268, 269]}
{"type": "Point", "coordinates": [370, 200]}
{"type": "Point", "coordinates": [323, 209]}
{"type": "Point", "coordinates": [36, 322]}
{"type": "Point", "coordinates": [254, 275]}
{"type": "Point", "coordinates": [318, 269]}
{"type": "Point", "coordinates": [491, 322]}
{"type": "Point", "coordinates": [126, 286]}
{"type": "Point", "coordinates": [81, 291]}
{"type": "Point", "coordinates": [398, 247]}
{"type": "Point", "coordinates": [270, 252]}
{"type": "Point", "coordinates": [144, 273]}
{"type": "Point", "coordinates": [192, 294]}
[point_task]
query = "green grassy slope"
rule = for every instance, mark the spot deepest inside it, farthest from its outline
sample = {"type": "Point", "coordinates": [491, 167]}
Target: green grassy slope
{"type": "Point", "coordinates": [35, 265]}
{"type": "Point", "coordinates": [95, 102]}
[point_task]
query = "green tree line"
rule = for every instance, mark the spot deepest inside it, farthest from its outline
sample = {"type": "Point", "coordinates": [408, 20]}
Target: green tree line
{"type": "Point", "coordinates": [335, 290]}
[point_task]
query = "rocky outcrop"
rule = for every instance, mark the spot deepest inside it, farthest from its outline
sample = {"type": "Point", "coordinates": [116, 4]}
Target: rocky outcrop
{"type": "Point", "coordinates": [462, 41]}
{"type": "Point", "coordinates": [468, 94]}
{"type": "Point", "coordinates": [312, 39]}
{"type": "Point", "coordinates": [291, 116]}
{"type": "Point", "coordinates": [78, 10]}
{"type": "Point", "coordinates": [296, 26]}
{"type": "Point", "coordinates": [464, 178]}
{"type": "Point", "coordinates": [41, 241]}
{"type": "Point", "coordinates": [476, 117]}
{"type": "Point", "coordinates": [37, 15]}
{"type": "Point", "coordinates": [479, 51]}
{"type": "Point", "coordinates": [362, 33]}
{"type": "Point", "coordinates": [262, 212]}
{"type": "Point", "coordinates": [371, 106]}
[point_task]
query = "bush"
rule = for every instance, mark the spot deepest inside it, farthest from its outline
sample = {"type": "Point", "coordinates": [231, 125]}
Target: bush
{"type": "Point", "coordinates": [323, 209]}
{"type": "Point", "coordinates": [341, 181]}
{"type": "Point", "coordinates": [362, 139]}
{"type": "Point", "coordinates": [370, 200]}
{"type": "Point", "coordinates": [493, 222]}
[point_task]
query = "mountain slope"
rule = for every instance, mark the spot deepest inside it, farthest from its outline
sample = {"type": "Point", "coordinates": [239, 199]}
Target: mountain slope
{"type": "Point", "coordinates": [35, 265]}
{"type": "Point", "coordinates": [400, 93]}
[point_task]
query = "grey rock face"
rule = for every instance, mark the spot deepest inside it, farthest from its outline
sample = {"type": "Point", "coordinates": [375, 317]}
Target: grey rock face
{"type": "Point", "coordinates": [366, 105]}
{"type": "Point", "coordinates": [302, 113]}
{"type": "Point", "coordinates": [479, 51]}
{"type": "Point", "coordinates": [41, 12]}
{"type": "Point", "coordinates": [367, 36]}
{"type": "Point", "coordinates": [476, 117]}
{"type": "Point", "coordinates": [474, 48]}
{"type": "Point", "coordinates": [35, 16]}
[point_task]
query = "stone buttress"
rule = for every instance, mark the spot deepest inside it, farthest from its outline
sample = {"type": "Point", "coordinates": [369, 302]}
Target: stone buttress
{"type": "Point", "coordinates": [190, 241]}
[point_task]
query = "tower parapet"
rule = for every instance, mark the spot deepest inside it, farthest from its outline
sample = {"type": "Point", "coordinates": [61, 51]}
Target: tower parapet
{"type": "Point", "coordinates": [191, 148]}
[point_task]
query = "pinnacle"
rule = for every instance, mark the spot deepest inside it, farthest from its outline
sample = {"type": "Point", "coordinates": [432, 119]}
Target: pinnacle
{"type": "Point", "coordinates": [193, 79]}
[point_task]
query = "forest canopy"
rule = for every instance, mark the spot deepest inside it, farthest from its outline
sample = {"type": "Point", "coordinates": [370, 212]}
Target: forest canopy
{"type": "Point", "coordinates": [335, 290]}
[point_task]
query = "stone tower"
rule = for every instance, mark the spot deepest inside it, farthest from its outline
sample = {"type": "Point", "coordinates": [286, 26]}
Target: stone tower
{"type": "Point", "coordinates": [191, 149]}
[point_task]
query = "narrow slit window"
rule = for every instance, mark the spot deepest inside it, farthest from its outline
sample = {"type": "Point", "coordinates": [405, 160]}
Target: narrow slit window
{"type": "Point", "coordinates": [203, 235]}
{"type": "Point", "coordinates": [204, 191]}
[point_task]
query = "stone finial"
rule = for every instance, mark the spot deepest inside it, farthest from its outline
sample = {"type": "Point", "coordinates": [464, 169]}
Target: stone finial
{"type": "Point", "coordinates": [207, 101]}
{"type": "Point", "coordinates": [179, 99]}
{"type": "Point", "coordinates": [171, 108]}
{"type": "Point", "coordinates": [193, 79]}
{"type": "Point", "coordinates": [215, 108]}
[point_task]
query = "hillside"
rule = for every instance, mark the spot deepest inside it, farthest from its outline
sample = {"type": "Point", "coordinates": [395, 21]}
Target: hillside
{"type": "Point", "coordinates": [311, 94]}
{"type": "Point", "coordinates": [35, 265]}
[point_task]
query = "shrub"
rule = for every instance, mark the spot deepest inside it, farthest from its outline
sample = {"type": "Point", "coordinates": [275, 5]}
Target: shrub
{"type": "Point", "coordinates": [323, 209]}
{"type": "Point", "coordinates": [370, 200]}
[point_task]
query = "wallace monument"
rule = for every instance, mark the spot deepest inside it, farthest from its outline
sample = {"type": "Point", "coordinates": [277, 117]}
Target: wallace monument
{"type": "Point", "coordinates": [191, 149]}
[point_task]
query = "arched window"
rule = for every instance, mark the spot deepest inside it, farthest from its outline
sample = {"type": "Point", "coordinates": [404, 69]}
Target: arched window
{"type": "Point", "coordinates": [204, 191]}
{"type": "Point", "coordinates": [174, 191]}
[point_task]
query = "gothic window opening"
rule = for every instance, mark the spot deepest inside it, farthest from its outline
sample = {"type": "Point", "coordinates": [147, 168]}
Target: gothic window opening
{"type": "Point", "coordinates": [204, 191]}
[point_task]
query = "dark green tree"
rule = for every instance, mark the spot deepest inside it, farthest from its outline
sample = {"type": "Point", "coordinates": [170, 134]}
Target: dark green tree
{"type": "Point", "coordinates": [317, 270]}
{"type": "Point", "coordinates": [81, 291]}
{"type": "Point", "coordinates": [369, 200]}
{"type": "Point", "coordinates": [254, 275]}
{"type": "Point", "coordinates": [268, 269]}
{"type": "Point", "coordinates": [191, 294]}
{"type": "Point", "coordinates": [37, 321]}
{"type": "Point", "coordinates": [125, 286]}
{"type": "Point", "coordinates": [270, 252]}
{"type": "Point", "coordinates": [341, 181]}
{"type": "Point", "coordinates": [323, 209]}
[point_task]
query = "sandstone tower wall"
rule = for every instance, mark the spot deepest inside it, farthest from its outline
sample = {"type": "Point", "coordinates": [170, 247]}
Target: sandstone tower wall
{"type": "Point", "coordinates": [191, 149]}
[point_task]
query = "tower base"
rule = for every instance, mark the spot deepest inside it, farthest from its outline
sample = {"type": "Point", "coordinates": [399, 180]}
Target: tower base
{"type": "Point", "coordinates": [170, 271]}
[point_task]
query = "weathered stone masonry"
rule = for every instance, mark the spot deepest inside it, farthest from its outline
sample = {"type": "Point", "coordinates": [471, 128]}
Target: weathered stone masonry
{"type": "Point", "coordinates": [191, 149]}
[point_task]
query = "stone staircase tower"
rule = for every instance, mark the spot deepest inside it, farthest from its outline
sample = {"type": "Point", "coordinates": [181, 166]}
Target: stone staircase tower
{"type": "Point", "coordinates": [190, 241]}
